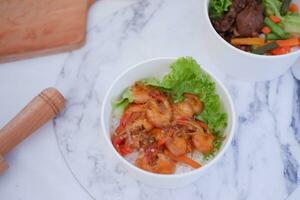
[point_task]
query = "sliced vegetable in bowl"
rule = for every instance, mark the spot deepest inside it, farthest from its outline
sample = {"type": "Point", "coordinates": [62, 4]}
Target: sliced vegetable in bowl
{"type": "Point", "coordinates": [178, 119]}
{"type": "Point", "coordinates": [251, 25]}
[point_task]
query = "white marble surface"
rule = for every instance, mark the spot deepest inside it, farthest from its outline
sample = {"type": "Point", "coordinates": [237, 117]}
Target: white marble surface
{"type": "Point", "coordinates": [37, 170]}
{"type": "Point", "coordinates": [262, 162]}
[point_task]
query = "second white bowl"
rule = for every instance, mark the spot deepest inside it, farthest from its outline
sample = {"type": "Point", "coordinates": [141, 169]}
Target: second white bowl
{"type": "Point", "coordinates": [240, 64]}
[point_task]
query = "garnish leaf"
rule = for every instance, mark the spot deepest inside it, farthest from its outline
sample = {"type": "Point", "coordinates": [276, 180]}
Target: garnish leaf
{"type": "Point", "coordinates": [186, 76]}
{"type": "Point", "coordinates": [119, 106]}
{"type": "Point", "coordinates": [218, 7]}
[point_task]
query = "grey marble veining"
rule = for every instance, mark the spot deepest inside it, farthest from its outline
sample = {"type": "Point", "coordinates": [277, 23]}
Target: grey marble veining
{"type": "Point", "coordinates": [263, 159]}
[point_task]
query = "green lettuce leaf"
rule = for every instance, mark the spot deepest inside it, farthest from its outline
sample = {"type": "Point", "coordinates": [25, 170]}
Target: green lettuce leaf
{"type": "Point", "coordinates": [218, 7]}
{"type": "Point", "coordinates": [186, 76]}
{"type": "Point", "coordinates": [119, 106]}
{"type": "Point", "coordinates": [217, 146]}
{"type": "Point", "coordinates": [154, 82]}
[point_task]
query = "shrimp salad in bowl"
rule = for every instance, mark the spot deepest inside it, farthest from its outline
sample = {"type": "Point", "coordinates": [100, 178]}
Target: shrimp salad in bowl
{"type": "Point", "coordinates": [170, 125]}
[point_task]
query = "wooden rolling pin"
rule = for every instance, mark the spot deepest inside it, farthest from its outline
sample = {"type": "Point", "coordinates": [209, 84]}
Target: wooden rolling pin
{"type": "Point", "coordinates": [35, 114]}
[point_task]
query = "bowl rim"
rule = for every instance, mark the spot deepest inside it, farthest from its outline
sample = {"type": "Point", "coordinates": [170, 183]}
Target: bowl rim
{"type": "Point", "coordinates": [245, 53]}
{"type": "Point", "coordinates": [230, 133]}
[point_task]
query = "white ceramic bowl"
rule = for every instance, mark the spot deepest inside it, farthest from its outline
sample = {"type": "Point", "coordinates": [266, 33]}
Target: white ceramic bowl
{"type": "Point", "coordinates": [158, 67]}
{"type": "Point", "coordinates": [240, 64]}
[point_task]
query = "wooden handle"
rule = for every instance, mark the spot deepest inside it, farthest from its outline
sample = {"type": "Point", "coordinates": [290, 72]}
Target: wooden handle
{"type": "Point", "coordinates": [3, 165]}
{"type": "Point", "coordinates": [89, 3]}
{"type": "Point", "coordinates": [40, 110]}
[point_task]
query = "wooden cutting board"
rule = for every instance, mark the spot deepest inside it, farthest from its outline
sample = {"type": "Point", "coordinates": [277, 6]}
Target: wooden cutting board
{"type": "Point", "coordinates": [30, 28]}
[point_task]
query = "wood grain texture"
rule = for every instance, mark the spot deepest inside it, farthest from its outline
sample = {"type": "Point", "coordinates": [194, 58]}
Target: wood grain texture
{"type": "Point", "coordinates": [38, 27]}
{"type": "Point", "coordinates": [40, 110]}
{"type": "Point", "coordinates": [3, 165]}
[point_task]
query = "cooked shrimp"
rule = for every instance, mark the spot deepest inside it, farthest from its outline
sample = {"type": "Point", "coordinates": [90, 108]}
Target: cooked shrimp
{"type": "Point", "coordinates": [140, 93]}
{"type": "Point", "coordinates": [194, 102]}
{"type": "Point", "coordinates": [139, 124]}
{"type": "Point", "coordinates": [159, 108]}
{"type": "Point", "coordinates": [159, 112]}
{"type": "Point", "coordinates": [182, 110]}
{"type": "Point", "coordinates": [131, 113]}
{"type": "Point", "coordinates": [190, 106]}
{"type": "Point", "coordinates": [203, 142]}
{"type": "Point", "coordinates": [133, 132]}
{"type": "Point", "coordinates": [177, 146]}
{"type": "Point", "coordinates": [162, 132]}
{"type": "Point", "coordinates": [159, 135]}
{"type": "Point", "coordinates": [134, 118]}
{"type": "Point", "coordinates": [162, 164]}
{"type": "Point", "coordinates": [191, 125]}
{"type": "Point", "coordinates": [134, 108]}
